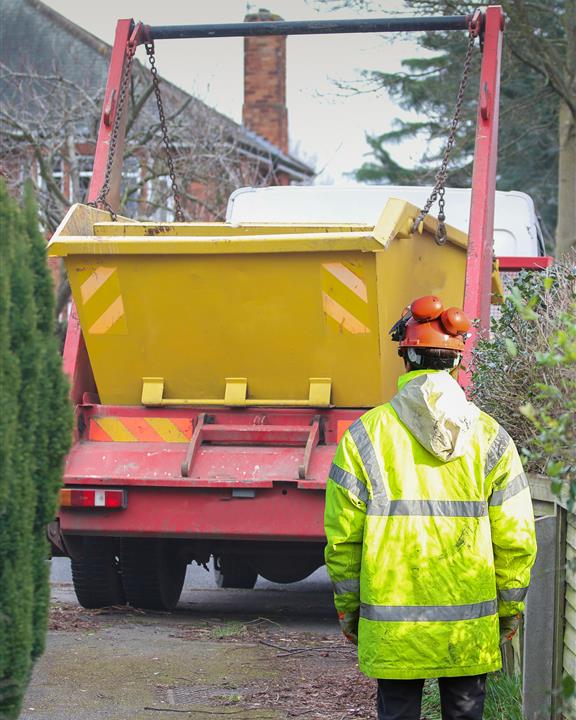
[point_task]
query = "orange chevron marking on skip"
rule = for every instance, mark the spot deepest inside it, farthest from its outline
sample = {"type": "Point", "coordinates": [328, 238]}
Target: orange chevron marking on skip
{"type": "Point", "coordinates": [101, 306]}
{"type": "Point", "coordinates": [95, 282]}
{"type": "Point", "coordinates": [348, 278]}
{"type": "Point", "coordinates": [344, 318]}
{"type": "Point", "coordinates": [108, 318]}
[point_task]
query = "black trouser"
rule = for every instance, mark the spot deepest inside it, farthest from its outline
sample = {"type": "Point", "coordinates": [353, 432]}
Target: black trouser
{"type": "Point", "coordinates": [462, 698]}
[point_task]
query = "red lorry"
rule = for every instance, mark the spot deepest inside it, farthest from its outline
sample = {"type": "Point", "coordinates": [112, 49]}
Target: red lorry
{"type": "Point", "coordinates": [163, 473]}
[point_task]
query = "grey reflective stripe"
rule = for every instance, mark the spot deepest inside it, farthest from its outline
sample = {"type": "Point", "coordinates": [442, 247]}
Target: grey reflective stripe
{"type": "Point", "coordinates": [428, 613]}
{"type": "Point", "coordinates": [513, 595]}
{"type": "Point", "coordinates": [513, 488]}
{"type": "Point", "coordinates": [348, 481]}
{"type": "Point", "coordinates": [368, 457]}
{"type": "Point", "coordinates": [347, 586]}
{"type": "Point", "coordinates": [496, 450]}
{"type": "Point", "coordinates": [439, 508]}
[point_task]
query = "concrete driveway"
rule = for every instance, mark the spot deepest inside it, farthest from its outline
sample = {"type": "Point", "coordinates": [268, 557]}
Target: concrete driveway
{"type": "Point", "coordinates": [271, 653]}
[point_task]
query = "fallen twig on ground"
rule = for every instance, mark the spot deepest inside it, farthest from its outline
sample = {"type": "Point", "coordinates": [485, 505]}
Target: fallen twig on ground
{"type": "Point", "coordinates": [209, 712]}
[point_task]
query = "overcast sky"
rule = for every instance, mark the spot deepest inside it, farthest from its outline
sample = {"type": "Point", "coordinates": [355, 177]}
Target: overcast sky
{"type": "Point", "coordinates": [327, 126]}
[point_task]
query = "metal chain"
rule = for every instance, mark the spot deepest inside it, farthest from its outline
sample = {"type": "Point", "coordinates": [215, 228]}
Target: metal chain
{"type": "Point", "coordinates": [178, 212]}
{"type": "Point", "coordinates": [102, 198]}
{"type": "Point", "coordinates": [442, 174]}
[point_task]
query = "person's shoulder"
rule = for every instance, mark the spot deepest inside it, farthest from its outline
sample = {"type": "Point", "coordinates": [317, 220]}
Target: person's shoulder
{"type": "Point", "coordinates": [490, 426]}
{"type": "Point", "coordinates": [376, 414]}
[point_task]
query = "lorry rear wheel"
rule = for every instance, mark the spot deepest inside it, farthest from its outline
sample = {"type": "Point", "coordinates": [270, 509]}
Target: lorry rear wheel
{"type": "Point", "coordinates": [96, 574]}
{"type": "Point", "coordinates": [232, 571]}
{"type": "Point", "coordinates": [152, 573]}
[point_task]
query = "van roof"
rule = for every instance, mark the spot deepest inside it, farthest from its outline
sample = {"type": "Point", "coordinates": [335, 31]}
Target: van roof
{"type": "Point", "coordinates": [516, 228]}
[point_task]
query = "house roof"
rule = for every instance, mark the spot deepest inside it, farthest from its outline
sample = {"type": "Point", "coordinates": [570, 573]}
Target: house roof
{"type": "Point", "coordinates": [35, 38]}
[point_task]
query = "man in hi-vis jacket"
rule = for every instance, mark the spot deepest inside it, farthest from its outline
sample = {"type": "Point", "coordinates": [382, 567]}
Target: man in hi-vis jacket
{"type": "Point", "coordinates": [430, 530]}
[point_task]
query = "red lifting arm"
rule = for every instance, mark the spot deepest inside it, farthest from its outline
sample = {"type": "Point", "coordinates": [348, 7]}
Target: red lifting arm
{"type": "Point", "coordinates": [75, 357]}
{"type": "Point", "coordinates": [481, 230]}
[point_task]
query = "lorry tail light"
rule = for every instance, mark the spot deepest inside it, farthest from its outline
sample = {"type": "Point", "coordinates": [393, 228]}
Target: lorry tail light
{"type": "Point", "coordinates": [97, 498]}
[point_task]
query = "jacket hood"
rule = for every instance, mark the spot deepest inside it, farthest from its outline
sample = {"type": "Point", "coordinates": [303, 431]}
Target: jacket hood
{"type": "Point", "coordinates": [434, 408]}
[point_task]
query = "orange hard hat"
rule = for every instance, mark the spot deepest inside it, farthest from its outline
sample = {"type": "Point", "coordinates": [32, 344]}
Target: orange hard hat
{"type": "Point", "coordinates": [425, 323]}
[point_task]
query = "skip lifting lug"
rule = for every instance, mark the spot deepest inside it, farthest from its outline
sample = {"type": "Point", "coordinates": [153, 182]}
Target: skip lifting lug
{"type": "Point", "coordinates": [475, 22]}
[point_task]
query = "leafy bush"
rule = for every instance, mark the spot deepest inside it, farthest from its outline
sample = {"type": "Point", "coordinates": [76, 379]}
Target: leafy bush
{"type": "Point", "coordinates": [35, 425]}
{"type": "Point", "coordinates": [525, 374]}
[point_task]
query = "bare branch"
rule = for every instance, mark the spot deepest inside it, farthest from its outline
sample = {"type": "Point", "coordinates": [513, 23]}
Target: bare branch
{"type": "Point", "coordinates": [48, 119]}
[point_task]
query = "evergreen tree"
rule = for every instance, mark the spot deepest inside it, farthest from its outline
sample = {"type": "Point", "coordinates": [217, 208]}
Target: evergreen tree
{"type": "Point", "coordinates": [9, 393]}
{"type": "Point", "coordinates": [537, 146]}
{"type": "Point", "coordinates": [36, 431]}
{"type": "Point", "coordinates": [528, 142]}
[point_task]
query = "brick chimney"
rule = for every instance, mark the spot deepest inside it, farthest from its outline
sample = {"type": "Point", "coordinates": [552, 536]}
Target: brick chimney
{"type": "Point", "coordinates": [264, 110]}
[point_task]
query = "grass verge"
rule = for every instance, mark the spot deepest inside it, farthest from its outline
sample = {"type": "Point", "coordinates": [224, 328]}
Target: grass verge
{"type": "Point", "coordinates": [503, 699]}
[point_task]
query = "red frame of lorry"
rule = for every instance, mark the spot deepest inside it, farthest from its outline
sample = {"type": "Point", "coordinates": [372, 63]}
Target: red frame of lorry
{"type": "Point", "coordinates": [284, 499]}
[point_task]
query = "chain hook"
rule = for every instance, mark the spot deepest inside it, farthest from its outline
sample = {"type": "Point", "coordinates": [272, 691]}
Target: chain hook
{"type": "Point", "coordinates": [475, 22]}
{"type": "Point", "coordinates": [441, 236]}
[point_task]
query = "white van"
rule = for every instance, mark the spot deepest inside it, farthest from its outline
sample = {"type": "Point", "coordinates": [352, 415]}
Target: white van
{"type": "Point", "coordinates": [517, 232]}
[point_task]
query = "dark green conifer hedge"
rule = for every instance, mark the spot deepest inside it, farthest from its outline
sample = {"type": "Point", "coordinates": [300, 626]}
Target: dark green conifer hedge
{"type": "Point", "coordinates": [35, 432]}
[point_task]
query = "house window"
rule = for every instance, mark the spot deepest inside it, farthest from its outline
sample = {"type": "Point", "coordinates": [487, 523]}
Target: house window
{"type": "Point", "coordinates": [85, 164]}
{"type": "Point", "coordinates": [57, 166]}
{"type": "Point", "coordinates": [58, 172]}
{"type": "Point", "coordinates": [129, 190]}
{"type": "Point", "coordinates": [130, 187]}
{"type": "Point", "coordinates": [160, 199]}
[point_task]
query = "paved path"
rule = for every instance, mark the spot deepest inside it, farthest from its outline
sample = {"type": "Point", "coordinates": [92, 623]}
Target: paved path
{"type": "Point", "coordinates": [115, 663]}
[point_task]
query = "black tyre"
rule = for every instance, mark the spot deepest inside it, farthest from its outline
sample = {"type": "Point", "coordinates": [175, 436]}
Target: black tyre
{"type": "Point", "coordinates": [232, 571]}
{"type": "Point", "coordinates": [96, 574]}
{"type": "Point", "coordinates": [152, 573]}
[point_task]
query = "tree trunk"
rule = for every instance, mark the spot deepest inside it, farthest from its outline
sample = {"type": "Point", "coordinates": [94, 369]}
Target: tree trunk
{"type": "Point", "coordinates": [566, 225]}
{"type": "Point", "coordinates": [73, 169]}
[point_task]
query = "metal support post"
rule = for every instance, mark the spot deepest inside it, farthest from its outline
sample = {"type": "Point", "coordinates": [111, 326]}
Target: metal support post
{"type": "Point", "coordinates": [75, 357]}
{"type": "Point", "coordinates": [117, 61]}
{"type": "Point", "coordinates": [481, 230]}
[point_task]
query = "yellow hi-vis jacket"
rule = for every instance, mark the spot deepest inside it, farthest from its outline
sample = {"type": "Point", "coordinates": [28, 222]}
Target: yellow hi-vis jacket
{"type": "Point", "coordinates": [430, 532]}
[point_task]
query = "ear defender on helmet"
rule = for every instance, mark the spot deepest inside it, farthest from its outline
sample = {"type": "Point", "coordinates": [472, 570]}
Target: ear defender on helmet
{"type": "Point", "coordinates": [398, 331]}
{"type": "Point", "coordinates": [427, 324]}
{"type": "Point", "coordinates": [427, 308]}
{"type": "Point", "coordinates": [455, 322]}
